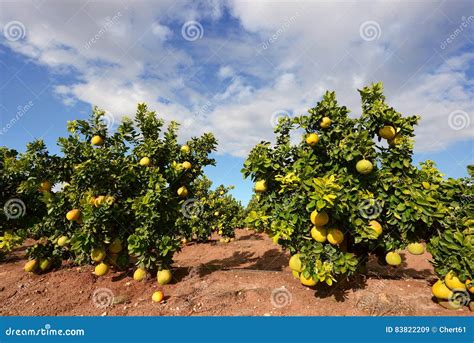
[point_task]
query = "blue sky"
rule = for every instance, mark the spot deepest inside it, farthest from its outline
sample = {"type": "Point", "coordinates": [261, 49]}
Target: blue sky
{"type": "Point", "coordinates": [232, 67]}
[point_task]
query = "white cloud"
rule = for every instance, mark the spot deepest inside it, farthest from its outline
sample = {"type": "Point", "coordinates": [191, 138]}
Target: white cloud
{"type": "Point", "coordinates": [280, 56]}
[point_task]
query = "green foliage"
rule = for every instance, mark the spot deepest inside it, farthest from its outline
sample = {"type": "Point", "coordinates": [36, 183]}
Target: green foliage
{"type": "Point", "coordinates": [406, 201]}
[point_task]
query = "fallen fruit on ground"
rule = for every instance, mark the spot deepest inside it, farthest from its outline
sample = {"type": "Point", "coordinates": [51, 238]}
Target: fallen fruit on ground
{"type": "Point", "coordinates": [31, 266]}
{"type": "Point", "coordinates": [453, 282]}
{"type": "Point", "coordinates": [157, 296]}
{"type": "Point", "coordinates": [310, 282]}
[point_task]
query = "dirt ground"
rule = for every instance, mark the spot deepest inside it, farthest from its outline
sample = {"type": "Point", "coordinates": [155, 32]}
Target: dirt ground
{"type": "Point", "coordinates": [247, 277]}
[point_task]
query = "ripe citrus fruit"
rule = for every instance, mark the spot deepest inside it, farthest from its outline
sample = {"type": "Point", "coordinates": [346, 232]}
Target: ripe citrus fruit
{"type": "Point", "coordinates": [295, 263]}
{"type": "Point", "coordinates": [387, 132]}
{"type": "Point", "coordinates": [163, 276]}
{"type": "Point", "coordinates": [319, 218]}
{"type": "Point", "coordinates": [157, 296]}
{"type": "Point", "coordinates": [139, 274]}
{"type": "Point", "coordinates": [116, 246]}
{"type": "Point", "coordinates": [185, 149]}
{"type": "Point", "coordinates": [101, 269]}
{"type": "Point", "coordinates": [325, 122]}
{"type": "Point", "coordinates": [182, 192]}
{"type": "Point", "coordinates": [393, 258]}
{"type": "Point", "coordinates": [31, 266]}
{"type": "Point", "coordinates": [452, 281]}
{"type": "Point", "coordinates": [97, 140]}
{"type": "Point", "coordinates": [441, 291]}
{"type": "Point", "coordinates": [319, 234]}
{"type": "Point", "coordinates": [416, 248]}
{"type": "Point", "coordinates": [73, 215]}
{"type": "Point", "coordinates": [62, 241]}
{"type": "Point", "coordinates": [375, 225]}
{"type": "Point", "coordinates": [307, 282]}
{"type": "Point", "coordinates": [364, 167]}
{"type": "Point", "coordinates": [97, 254]}
{"type": "Point", "coordinates": [187, 165]}
{"type": "Point", "coordinates": [396, 140]}
{"type": "Point", "coordinates": [335, 236]}
{"type": "Point", "coordinates": [260, 186]}
{"type": "Point", "coordinates": [216, 214]}
{"type": "Point", "coordinates": [296, 274]}
{"type": "Point", "coordinates": [312, 139]}
{"type": "Point", "coordinates": [45, 186]}
{"type": "Point", "coordinates": [145, 161]}
{"type": "Point", "coordinates": [44, 264]}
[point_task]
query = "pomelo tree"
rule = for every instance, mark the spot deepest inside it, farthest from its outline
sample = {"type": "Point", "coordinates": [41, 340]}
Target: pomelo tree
{"type": "Point", "coordinates": [347, 189]}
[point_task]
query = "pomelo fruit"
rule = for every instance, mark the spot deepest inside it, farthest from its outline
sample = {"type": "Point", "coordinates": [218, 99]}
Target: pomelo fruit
{"type": "Point", "coordinates": [335, 236]}
{"type": "Point", "coordinates": [307, 282]}
{"type": "Point", "coordinates": [295, 263]}
{"type": "Point", "coordinates": [387, 132]}
{"type": "Point", "coordinates": [31, 266]}
{"type": "Point", "coordinates": [325, 122]}
{"type": "Point", "coordinates": [319, 234]}
{"type": "Point", "coordinates": [319, 218]}
{"type": "Point", "coordinates": [260, 186]}
{"type": "Point", "coordinates": [452, 281]}
{"type": "Point", "coordinates": [157, 296]}
{"type": "Point", "coordinates": [441, 291]}
{"type": "Point", "coordinates": [393, 258]}
{"type": "Point", "coordinates": [163, 276]}
{"type": "Point", "coordinates": [145, 161]}
{"type": "Point", "coordinates": [312, 139]}
{"type": "Point", "coordinates": [415, 248]}
{"type": "Point", "coordinates": [101, 269]}
{"type": "Point", "coordinates": [97, 140]}
{"type": "Point", "coordinates": [364, 167]}
{"type": "Point", "coordinates": [97, 254]}
{"type": "Point", "coordinates": [139, 274]}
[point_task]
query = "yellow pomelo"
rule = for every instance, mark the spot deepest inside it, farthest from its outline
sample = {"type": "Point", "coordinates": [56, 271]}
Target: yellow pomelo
{"type": "Point", "coordinates": [452, 281]}
{"type": "Point", "coordinates": [441, 291]}
{"type": "Point", "coordinates": [157, 296]}
{"type": "Point", "coordinates": [335, 236]}
{"type": "Point", "coordinates": [185, 149]}
{"type": "Point", "coordinates": [325, 122]}
{"type": "Point", "coordinates": [139, 274]}
{"type": "Point", "coordinates": [31, 266]}
{"type": "Point", "coordinates": [319, 234]}
{"type": "Point", "coordinates": [97, 254]}
{"type": "Point", "coordinates": [295, 263]}
{"type": "Point", "coordinates": [45, 186]}
{"type": "Point", "coordinates": [101, 269]}
{"type": "Point", "coordinates": [375, 225]}
{"type": "Point", "coordinates": [97, 140]}
{"type": "Point", "coordinates": [44, 264]}
{"type": "Point", "coordinates": [296, 274]}
{"type": "Point", "coordinates": [63, 241]}
{"type": "Point", "coordinates": [364, 167]}
{"type": "Point", "coordinates": [182, 192]}
{"type": "Point", "coordinates": [73, 215]}
{"type": "Point", "coordinates": [319, 218]}
{"type": "Point", "coordinates": [163, 276]}
{"type": "Point", "coordinates": [307, 282]}
{"type": "Point", "coordinates": [145, 161]}
{"type": "Point", "coordinates": [387, 132]}
{"type": "Point", "coordinates": [415, 248]}
{"type": "Point", "coordinates": [187, 165]}
{"type": "Point", "coordinates": [393, 258]}
{"type": "Point", "coordinates": [260, 186]}
{"type": "Point", "coordinates": [312, 139]}
{"type": "Point", "coordinates": [470, 285]}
